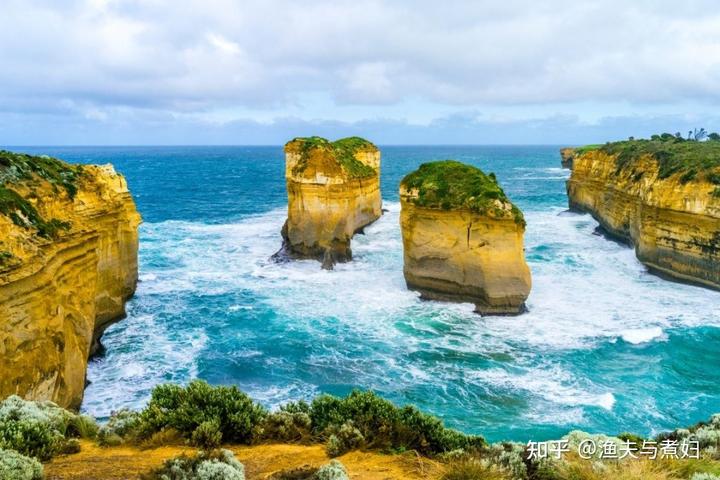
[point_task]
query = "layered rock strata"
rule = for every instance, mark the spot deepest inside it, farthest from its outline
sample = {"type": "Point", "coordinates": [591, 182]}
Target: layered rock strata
{"type": "Point", "coordinates": [662, 199]}
{"type": "Point", "coordinates": [463, 239]}
{"type": "Point", "coordinates": [333, 192]}
{"type": "Point", "coordinates": [68, 263]}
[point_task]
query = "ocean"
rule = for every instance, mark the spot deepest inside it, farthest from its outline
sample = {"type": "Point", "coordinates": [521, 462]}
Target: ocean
{"type": "Point", "coordinates": [605, 347]}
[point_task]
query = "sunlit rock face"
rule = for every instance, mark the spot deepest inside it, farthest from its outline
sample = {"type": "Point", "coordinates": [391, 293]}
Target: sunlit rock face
{"type": "Point", "coordinates": [333, 192]}
{"type": "Point", "coordinates": [566, 157]}
{"type": "Point", "coordinates": [672, 219]}
{"type": "Point", "coordinates": [68, 263]}
{"type": "Point", "coordinates": [463, 239]}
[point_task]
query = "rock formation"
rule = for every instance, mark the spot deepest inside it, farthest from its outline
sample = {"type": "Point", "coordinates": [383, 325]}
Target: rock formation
{"type": "Point", "coordinates": [68, 263]}
{"type": "Point", "coordinates": [463, 238]}
{"type": "Point", "coordinates": [662, 197]}
{"type": "Point", "coordinates": [333, 192]}
{"type": "Point", "coordinates": [566, 157]}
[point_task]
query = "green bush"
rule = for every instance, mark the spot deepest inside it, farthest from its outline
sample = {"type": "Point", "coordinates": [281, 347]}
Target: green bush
{"type": "Point", "coordinates": [35, 429]}
{"type": "Point", "coordinates": [123, 425]}
{"type": "Point", "coordinates": [347, 438]}
{"type": "Point", "coordinates": [287, 425]}
{"type": "Point", "coordinates": [385, 426]}
{"type": "Point", "coordinates": [186, 408]}
{"type": "Point", "coordinates": [207, 435]}
{"type": "Point", "coordinates": [332, 471]}
{"type": "Point", "coordinates": [83, 426]}
{"type": "Point", "coordinates": [14, 466]}
{"type": "Point", "coordinates": [213, 465]}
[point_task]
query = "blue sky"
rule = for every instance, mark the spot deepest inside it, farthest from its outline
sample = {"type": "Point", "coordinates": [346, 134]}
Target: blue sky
{"type": "Point", "coordinates": [398, 72]}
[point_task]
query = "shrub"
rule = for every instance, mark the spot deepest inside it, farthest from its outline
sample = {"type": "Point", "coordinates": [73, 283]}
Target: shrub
{"type": "Point", "coordinates": [186, 408]}
{"type": "Point", "coordinates": [385, 426]}
{"type": "Point", "coordinates": [123, 425]}
{"type": "Point", "coordinates": [285, 426]}
{"type": "Point", "coordinates": [704, 476]}
{"type": "Point", "coordinates": [207, 435]}
{"type": "Point", "coordinates": [331, 471]}
{"type": "Point", "coordinates": [347, 438]}
{"type": "Point", "coordinates": [70, 447]}
{"type": "Point", "coordinates": [215, 465]}
{"type": "Point", "coordinates": [83, 426]}
{"type": "Point", "coordinates": [35, 429]}
{"type": "Point", "coordinates": [14, 466]}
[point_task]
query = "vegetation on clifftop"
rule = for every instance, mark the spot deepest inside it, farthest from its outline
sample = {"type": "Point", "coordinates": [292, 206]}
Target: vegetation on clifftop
{"type": "Point", "coordinates": [342, 150]}
{"type": "Point", "coordinates": [689, 158]}
{"type": "Point", "coordinates": [449, 184]}
{"type": "Point", "coordinates": [29, 170]}
{"type": "Point", "coordinates": [31, 431]}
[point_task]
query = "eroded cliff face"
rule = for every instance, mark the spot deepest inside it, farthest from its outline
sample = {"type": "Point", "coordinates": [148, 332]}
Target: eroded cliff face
{"type": "Point", "coordinates": [465, 253]}
{"type": "Point", "coordinates": [566, 157]}
{"type": "Point", "coordinates": [68, 264]}
{"type": "Point", "coordinates": [333, 192]}
{"type": "Point", "coordinates": [673, 222]}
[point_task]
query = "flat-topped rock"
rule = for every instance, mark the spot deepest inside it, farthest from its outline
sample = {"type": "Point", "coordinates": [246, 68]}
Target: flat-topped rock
{"type": "Point", "coordinates": [463, 238]}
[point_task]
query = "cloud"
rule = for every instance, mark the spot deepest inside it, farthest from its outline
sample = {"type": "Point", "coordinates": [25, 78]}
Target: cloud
{"type": "Point", "coordinates": [198, 57]}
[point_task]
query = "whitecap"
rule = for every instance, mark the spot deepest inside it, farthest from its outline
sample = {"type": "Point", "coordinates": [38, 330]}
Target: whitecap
{"type": "Point", "coordinates": [642, 335]}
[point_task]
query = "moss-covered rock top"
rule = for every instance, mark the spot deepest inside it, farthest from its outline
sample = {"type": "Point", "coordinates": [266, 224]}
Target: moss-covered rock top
{"type": "Point", "coordinates": [449, 184]}
{"type": "Point", "coordinates": [343, 151]}
{"type": "Point", "coordinates": [689, 159]}
{"type": "Point", "coordinates": [29, 171]}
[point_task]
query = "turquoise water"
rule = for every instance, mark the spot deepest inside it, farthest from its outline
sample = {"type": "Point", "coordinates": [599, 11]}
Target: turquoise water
{"type": "Point", "coordinates": [605, 347]}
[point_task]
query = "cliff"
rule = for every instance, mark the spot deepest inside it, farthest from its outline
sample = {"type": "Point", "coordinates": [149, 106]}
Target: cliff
{"type": "Point", "coordinates": [333, 192]}
{"type": "Point", "coordinates": [662, 197]}
{"type": "Point", "coordinates": [463, 239]}
{"type": "Point", "coordinates": [566, 157]}
{"type": "Point", "coordinates": [68, 263]}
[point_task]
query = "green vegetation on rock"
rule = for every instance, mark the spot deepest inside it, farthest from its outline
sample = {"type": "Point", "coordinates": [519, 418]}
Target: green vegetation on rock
{"type": "Point", "coordinates": [343, 151]}
{"type": "Point", "coordinates": [690, 159]}
{"type": "Point", "coordinates": [449, 184]}
{"type": "Point", "coordinates": [17, 168]}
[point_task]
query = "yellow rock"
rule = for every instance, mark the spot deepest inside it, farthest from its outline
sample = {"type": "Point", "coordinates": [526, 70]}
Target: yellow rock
{"type": "Point", "coordinates": [58, 294]}
{"type": "Point", "coordinates": [333, 192]}
{"type": "Point", "coordinates": [674, 226]}
{"type": "Point", "coordinates": [461, 254]}
{"type": "Point", "coordinates": [566, 157]}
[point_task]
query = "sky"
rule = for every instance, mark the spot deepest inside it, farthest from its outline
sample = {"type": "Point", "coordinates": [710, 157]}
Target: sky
{"type": "Point", "coordinates": [161, 72]}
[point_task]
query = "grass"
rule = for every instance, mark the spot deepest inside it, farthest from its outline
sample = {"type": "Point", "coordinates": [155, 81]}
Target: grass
{"type": "Point", "coordinates": [587, 148]}
{"type": "Point", "coordinates": [17, 168]}
{"type": "Point", "coordinates": [449, 184]}
{"type": "Point", "coordinates": [342, 150]}
{"type": "Point", "coordinates": [690, 160]}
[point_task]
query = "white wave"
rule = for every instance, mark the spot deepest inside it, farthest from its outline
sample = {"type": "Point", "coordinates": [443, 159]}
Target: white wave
{"type": "Point", "coordinates": [363, 327]}
{"type": "Point", "coordinates": [642, 335]}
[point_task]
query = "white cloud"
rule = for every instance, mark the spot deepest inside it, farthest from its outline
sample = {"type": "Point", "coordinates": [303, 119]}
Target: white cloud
{"type": "Point", "coordinates": [201, 56]}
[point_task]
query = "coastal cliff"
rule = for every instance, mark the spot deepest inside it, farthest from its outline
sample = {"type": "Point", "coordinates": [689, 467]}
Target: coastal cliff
{"type": "Point", "coordinates": [662, 197]}
{"type": "Point", "coordinates": [68, 263]}
{"type": "Point", "coordinates": [333, 192]}
{"type": "Point", "coordinates": [566, 157]}
{"type": "Point", "coordinates": [463, 239]}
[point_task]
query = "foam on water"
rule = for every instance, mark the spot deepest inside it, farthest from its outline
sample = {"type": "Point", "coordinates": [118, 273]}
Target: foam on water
{"type": "Point", "coordinates": [605, 346]}
{"type": "Point", "coordinates": [359, 326]}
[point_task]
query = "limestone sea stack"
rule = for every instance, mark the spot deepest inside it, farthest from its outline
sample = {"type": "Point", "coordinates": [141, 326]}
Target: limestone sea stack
{"type": "Point", "coordinates": [463, 239]}
{"type": "Point", "coordinates": [68, 263]}
{"type": "Point", "coordinates": [333, 192]}
{"type": "Point", "coordinates": [662, 196]}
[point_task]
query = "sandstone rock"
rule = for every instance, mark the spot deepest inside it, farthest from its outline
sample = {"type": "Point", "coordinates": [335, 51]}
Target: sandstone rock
{"type": "Point", "coordinates": [463, 239]}
{"type": "Point", "coordinates": [566, 157]}
{"type": "Point", "coordinates": [333, 192]}
{"type": "Point", "coordinates": [669, 211]}
{"type": "Point", "coordinates": [68, 263]}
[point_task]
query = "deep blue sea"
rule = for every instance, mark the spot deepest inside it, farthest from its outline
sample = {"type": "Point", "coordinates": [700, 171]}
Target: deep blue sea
{"type": "Point", "coordinates": [605, 347]}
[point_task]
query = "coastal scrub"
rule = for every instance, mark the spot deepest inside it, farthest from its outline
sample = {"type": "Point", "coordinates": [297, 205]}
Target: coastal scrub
{"type": "Point", "coordinates": [450, 184]}
{"type": "Point", "coordinates": [343, 151]}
